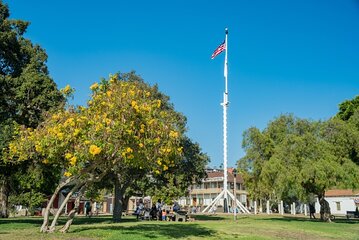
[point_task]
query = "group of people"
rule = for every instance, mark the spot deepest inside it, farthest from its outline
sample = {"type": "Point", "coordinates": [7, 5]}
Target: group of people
{"type": "Point", "coordinates": [157, 212]}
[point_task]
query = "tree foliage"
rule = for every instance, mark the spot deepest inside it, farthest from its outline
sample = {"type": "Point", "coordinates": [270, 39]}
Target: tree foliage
{"type": "Point", "coordinates": [129, 129]}
{"type": "Point", "coordinates": [175, 183]}
{"type": "Point", "coordinates": [294, 158]}
{"type": "Point", "coordinates": [348, 108]}
{"type": "Point", "coordinates": [26, 92]}
{"type": "Point", "coordinates": [349, 112]}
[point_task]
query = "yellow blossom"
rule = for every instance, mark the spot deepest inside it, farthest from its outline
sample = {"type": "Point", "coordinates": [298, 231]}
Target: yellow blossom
{"type": "Point", "coordinates": [45, 161]}
{"type": "Point", "coordinates": [94, 150]}
{"type": "Point", "coordinates": [67, 89]}
{"type": "Point", "coordinates": [98, 127]}
{"type": "Point", "coordinates": [159, 103]}
{"type": "Point", "coordinates": [38, 148]}
{"type": "Point", "coordinates": [70, 122]}
{"type": "Point", "coordinates": [113, 78]}
{"type": "Point", "coordinates": [94, 86]}
{"type": "Point", "coordinates": [76, 132]}
{"type": "Point", "coordinates": [60, 135]}
{"type": "Point", "coordinates": [108, 121]}
{"type": "Point", "coordinates": [87, 142]}
{"type": "Point", "coordinates": [173, 134]}
{"type": "Point", "coordinates": [109, 93]}
{"type": "Point", "coordinates": [129, 150]}
{"type": "Point", "coordinates": [73, 160]}
{"type": "Point", "coordinates": [68, 155]}
{"type": "Point", "coordinates": [165, 168]}
{"type": "Point", "coordinates": [141, 145]}
{"type": "Point", "coordinates": [67, 174]}
{"type": "Point", "coordinates": [55, 117]}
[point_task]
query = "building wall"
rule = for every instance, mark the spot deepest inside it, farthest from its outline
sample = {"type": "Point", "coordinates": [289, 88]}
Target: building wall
{"type": "Point", "coordinates": [338, 205]}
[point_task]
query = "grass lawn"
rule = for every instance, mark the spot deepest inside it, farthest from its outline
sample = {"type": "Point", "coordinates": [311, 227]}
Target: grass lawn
{"type": "Point", "coordinates": [204, 227]}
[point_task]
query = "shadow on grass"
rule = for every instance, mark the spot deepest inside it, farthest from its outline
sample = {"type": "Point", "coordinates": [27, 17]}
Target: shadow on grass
{"type": "Point", "coordinates": [208, 217]}
{"type": "Point", "coordinates": [28, 220]}
{"type": "Point", "coordinates": [78, 220]}
{"type": "Point", "coordinates": [148, 230]}
{"type": "Point", "coordinates": [100, 219]}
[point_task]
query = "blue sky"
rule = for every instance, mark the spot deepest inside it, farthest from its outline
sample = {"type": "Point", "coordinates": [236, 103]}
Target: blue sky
{"type": "Point", "coordinates": [299, 57]}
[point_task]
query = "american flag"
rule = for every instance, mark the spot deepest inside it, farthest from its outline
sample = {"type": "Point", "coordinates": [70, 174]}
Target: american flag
{"type": "Point", "coordinates": [219, 49]}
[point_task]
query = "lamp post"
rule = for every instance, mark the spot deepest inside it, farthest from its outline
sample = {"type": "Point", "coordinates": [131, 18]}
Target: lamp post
{"type": "Point", "coordinates": [234, 194]}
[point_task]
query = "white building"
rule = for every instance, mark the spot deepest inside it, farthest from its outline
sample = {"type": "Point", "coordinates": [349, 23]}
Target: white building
{"type": "Point", "coordinates": [201, 195]}
{"type": "Point", "coordinates": [340, 201]}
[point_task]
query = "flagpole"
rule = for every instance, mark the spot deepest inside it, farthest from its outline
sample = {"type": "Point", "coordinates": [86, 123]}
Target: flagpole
{"type": "Point", "coordinates": [225, 106]}
{"type": "Point", "coordinates": [225, 192]}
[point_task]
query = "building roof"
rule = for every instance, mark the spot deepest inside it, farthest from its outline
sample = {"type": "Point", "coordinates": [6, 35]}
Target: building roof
{"type": "Point", "coordinates": [341, 193]}
{"type": "Point", "coordinates": [220, 174]}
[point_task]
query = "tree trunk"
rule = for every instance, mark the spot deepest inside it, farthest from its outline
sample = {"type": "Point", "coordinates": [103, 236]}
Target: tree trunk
{"type": "Point", "coordinates": [324, 208]}
{"type": "Point", "coordinates": [73, 212]}
{"type": "Point", "coordinates": [58, 213]}
{"type": "Point", "coordinates": [125, 199]}
{"type": "Point", "coordinates": [4, 198]}
{"type": "Point", "coordinates": [45, 224]}
{"type": "Point", "coordinates": [117, 210]}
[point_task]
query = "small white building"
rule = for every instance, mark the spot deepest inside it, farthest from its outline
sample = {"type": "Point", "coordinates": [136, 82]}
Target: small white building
{"type": "Point", "coordinates": [341, 201]}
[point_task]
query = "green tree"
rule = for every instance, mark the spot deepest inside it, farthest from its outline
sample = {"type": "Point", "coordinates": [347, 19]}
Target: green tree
{"type": "Point", "coordinates": [175, 182]}
{"type": "Point", "coordinates": [26, 92]}
{"type": "Point", "coordinates": [347, 108]}
{"type": "Point", "coordinates": [349, 112]}
{"type": "Point", "coordinates": [128, 127]}
{"type": "Point", "coordinates": [295, 158]}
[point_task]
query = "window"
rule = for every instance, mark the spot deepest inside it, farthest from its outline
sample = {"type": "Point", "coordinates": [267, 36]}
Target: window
{"type": "Point", "coordinates": [338, 206]}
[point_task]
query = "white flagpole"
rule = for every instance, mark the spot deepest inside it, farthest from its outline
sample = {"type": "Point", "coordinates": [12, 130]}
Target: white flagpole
{"type": "Point", "coordinates": [225, 192]}
{"type": "Point", "coordinates": [225, 106]}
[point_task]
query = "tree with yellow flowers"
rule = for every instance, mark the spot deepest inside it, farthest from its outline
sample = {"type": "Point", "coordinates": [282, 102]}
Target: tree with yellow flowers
{"type": "Point", "coordinates": [127, 126]}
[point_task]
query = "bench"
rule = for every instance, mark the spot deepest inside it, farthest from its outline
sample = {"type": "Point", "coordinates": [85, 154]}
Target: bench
{"type": "Point", "coordinates": [183, 215]}
{"type": "Point", "coordinates": [352, 214]}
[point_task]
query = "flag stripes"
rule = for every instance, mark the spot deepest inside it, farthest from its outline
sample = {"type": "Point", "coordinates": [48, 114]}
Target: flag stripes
{"type": "Point", "coordinates": [219, 49]}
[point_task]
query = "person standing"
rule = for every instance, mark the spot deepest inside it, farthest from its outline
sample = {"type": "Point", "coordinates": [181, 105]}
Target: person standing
{"type": "Point", "coordinates": [311, 210]}
{"type": "Point", "coordinates": [164, 215]}
{"type": "Point", "coordinates": [159, 209]}
{"type": "Point", "coordinates": [88, 208]}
